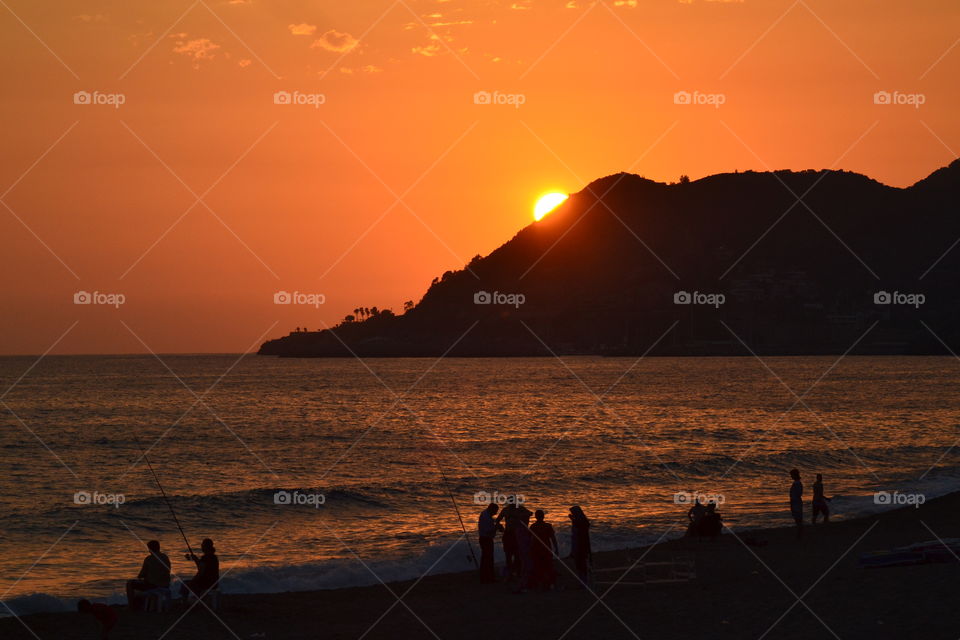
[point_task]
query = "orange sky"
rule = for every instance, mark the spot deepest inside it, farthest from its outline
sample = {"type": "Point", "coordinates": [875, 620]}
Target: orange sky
{"type": "Point", "coordinates": [298, 197]}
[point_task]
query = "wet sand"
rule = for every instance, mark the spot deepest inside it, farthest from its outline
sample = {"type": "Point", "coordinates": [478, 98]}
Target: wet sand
{"type": "Point", "coordinates": [739, 591]}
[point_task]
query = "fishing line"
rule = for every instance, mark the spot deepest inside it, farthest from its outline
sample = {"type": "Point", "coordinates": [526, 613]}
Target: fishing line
{"type": "Point", "coordinates": [162, 492]}
{"type": "Point", "coordinates": [459, 517]}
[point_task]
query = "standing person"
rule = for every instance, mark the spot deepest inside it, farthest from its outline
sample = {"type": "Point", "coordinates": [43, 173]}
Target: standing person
{"type": "Point", "coordinates": [509, 539]}
{"type": "Point", "coordinates": [105, 615]}
{"type": "Point", "coordinates": [515, 517]}
{"type": "Point", "coordinates": [524, 546]}
{"type": "Point", "coordinates": [487, 530]}
{"type": "Point", "coordinates": [154, 574]}
{"type": "Point", "coordinates": [580, 543]}
{"type": "Point", "coordinates": [208, 571]}
{"type": "Point", "coordinates": [545, 547]}
{"type": "Point", "coordinates": [820, 501]}
{"type": "Point", "coordinates": [796, 500]}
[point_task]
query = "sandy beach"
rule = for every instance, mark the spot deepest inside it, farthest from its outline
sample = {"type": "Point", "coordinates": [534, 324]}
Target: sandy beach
{"type": "Point", "coordinates": [740, 591]}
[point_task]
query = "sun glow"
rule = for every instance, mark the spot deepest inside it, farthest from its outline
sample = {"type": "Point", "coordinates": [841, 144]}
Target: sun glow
{"type": "Point", "coordinates": [547, 203]}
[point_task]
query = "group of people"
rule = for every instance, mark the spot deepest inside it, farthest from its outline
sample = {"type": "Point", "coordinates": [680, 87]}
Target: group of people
{"type": "Point", "coordinates": [530, 549]}
{"type": "Point", "coordinates": [819, 504]}
{"type": "Point", "coordinates": [704, 520]}
{"type": "Point", "coordinates": [155, 576]}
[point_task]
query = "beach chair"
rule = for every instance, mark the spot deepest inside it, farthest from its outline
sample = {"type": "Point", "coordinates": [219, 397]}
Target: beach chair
{"type": "Point", "coordinates": [157, 600]}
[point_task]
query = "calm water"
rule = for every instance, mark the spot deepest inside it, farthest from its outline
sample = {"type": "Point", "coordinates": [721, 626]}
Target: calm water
{"type": "Point", "coordinates": [332, 427]}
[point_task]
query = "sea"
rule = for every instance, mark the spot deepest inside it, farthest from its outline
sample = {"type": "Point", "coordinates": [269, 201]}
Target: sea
{"type": "Point", "coordinates": [326, 473]}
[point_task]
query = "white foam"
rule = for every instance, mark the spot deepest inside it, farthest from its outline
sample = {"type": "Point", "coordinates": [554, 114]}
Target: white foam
{"type": "Point", "coordinates": [439, 557]}
{"type": "Point", "coordinates": [450, 554]}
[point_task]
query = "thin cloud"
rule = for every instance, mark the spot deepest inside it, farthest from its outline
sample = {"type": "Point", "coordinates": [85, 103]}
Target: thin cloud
{"type": "Point", "coordinates": [431, 49]}
{"type": "Point", "coordinates": [335, 41]}
{"type": "Point", "coordinates": [369, 68]}
{"type": "Point", "coordinates": [198, 49]}
{"type": "Point", "coordinates": [302, 29]}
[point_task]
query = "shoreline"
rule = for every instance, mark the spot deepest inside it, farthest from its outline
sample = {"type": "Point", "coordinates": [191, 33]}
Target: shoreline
{"type": "Point", "coordinates": [239, 583]}
{"type": "Point", "coordinates": [732, 581]}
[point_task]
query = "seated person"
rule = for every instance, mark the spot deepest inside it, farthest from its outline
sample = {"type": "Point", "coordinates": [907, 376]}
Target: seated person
{"type": "Point", "coordinates": [695, 515]}
{"type": "Point", "coordinates": [208, 571]}
{"type": "Point", "coordinates": [712, 522]}
{"type": "Point", "coordinates": [154, 573]}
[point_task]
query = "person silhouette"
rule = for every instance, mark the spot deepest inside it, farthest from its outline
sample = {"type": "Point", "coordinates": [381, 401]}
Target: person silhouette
{"type": "Point", "coordinates": [580, 543]}
{"type": "Point", "coordinates": [524, 547]}
{"type": "Point", "coordinates": [796, 500]}
{"type": "Point", "coordinates": [820, 501]}
{"type": "Point", "coordinates": [508, 516]}
{"type": "Point", "coordinates": [154, 574]}
{"type": "Point", "coordinates": [105, 615]}
{"type": "Point", "coordinates": [711, 524]}
{"type": "Point", "coordinates": [694, 515]}
{"type": "Point", "coordinates": [545, 547]}
{"type": "Point", "coordinates": [208, 571]}
{"type": "Point", "coordinates": [515, 516]}
{"type": "Point", "coordinates": [487, 529]}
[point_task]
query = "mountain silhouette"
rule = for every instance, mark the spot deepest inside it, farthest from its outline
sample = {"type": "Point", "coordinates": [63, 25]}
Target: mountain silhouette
{"type": "Point", "coordinates": [777, 263]}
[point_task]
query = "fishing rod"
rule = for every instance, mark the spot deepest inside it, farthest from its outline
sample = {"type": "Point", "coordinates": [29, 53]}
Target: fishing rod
{"type": "Point", "coordinates": [456, 508]}
{"type": "Point", "coordinates": [163, 493]}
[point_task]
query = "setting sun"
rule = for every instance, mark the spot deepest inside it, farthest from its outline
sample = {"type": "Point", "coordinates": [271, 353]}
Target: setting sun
{"type": "Point", "coordinates": [547, 203]}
